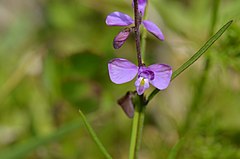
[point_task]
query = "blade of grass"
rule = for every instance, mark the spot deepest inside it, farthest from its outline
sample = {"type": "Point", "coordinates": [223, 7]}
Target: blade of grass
{"type": "Point", "coordinates": [94, 136]}
{"type": "Point", "coordinates": [201, 85]}
{"type": "Point", "coordinates": [175, 149]}
{"type": "Point", "coordinates": [195, 57]}
{"type": "Point", "coordinates": [215, 8]}
{"type": "Point", "coordinates": [23, 149]}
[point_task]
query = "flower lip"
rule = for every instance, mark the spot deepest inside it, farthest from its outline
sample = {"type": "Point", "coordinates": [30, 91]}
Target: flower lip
{"type": "Point", "coordinates": [141, 85]}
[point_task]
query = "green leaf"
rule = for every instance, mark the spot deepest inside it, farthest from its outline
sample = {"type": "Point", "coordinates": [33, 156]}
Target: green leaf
{"type": "Point", "coordinates": [94, 136]}
{"type": "Point", "coordinates": [196, 56]}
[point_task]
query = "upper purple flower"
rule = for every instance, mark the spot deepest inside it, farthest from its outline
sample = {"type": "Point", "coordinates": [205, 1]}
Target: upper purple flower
{"type": "Point", "coordinates": [121, 19]}
{"type": "Point", "coordinates": [121, 71]}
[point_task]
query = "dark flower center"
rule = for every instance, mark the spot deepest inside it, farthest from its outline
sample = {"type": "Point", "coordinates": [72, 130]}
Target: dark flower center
{"type": "Point", "coordinates": [147, 74]}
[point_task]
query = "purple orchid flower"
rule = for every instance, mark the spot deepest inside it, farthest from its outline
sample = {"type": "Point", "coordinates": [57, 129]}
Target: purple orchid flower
{"type": "Point", "coordinates": [121, 19]}
{"type": "Point", "coordinates": [122, 71]}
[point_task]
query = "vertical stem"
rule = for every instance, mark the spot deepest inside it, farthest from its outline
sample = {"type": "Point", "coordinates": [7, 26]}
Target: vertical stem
{"type": "Point", "coordinates": [137, 19]}
{"type": "Point", "coordinates": [137, 128]}
{"type": "Point", "coordinates": [139, 113]}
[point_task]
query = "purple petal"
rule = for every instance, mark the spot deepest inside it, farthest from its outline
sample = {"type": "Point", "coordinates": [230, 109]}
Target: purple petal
{"type": "Point", "coordinates": [153, 28]}
{"type": "Point", "coordinates": [162, 75]}
{"type": "Point", "coordinates": [118, 19]}
{"type": "Point", "coordinates": [141, 5]}
{"type": "Point", "coordinates": [120, 39]}
{"type": "Point", "coordinates": [121, 70]}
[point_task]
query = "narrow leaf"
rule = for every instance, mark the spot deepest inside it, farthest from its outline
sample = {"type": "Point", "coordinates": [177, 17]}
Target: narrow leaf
{"type": "Point", "coordinates": [196, 56]}
{"type": "Point", "coordinates": [175, 149]}
{"type": "Point", "coordinates": [94, 136]}
{"type": "Point", "coordinates": [21, 150]}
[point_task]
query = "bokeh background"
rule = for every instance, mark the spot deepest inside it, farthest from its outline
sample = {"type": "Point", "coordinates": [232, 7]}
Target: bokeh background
{"type": "Point", "coordinates": [53, 61]}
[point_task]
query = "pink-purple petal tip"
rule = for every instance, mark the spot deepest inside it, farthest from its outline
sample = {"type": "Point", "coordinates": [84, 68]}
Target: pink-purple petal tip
{"type": "Point", "coordinates": [153, 28]}
{"type": "Point", "coordinates": [118, 19]}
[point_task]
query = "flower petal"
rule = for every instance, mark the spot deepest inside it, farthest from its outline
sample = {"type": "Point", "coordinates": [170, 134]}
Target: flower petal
{"type": "Point", "coordinates": [120, 39]}
{"type": "Point", "coordinates": [118, 19]}
{"type": "Point", "coordinates": [141, 5]}
{"type": "Point", "coordinates": [162, 75]}
{"type": "Point", "coordinates": [153, 28]}
{"type": "Point", "coordinates": [121, 70]}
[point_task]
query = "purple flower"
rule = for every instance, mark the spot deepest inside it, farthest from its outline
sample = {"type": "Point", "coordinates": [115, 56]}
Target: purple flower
{"type": "Point", "coordinates": [122, 71]}
{"type": "Point", "coordinates": [121, 19]}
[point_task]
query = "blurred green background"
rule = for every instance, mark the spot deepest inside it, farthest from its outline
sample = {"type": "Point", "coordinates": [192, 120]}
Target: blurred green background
{"type": "Point", "coordinates": [53, 61]}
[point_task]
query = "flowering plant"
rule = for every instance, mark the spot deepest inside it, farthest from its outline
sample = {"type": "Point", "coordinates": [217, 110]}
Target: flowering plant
{"type": "Point", "coordinates": [122, 71]}
{"type": "Point", "coordinates": [159, 75]}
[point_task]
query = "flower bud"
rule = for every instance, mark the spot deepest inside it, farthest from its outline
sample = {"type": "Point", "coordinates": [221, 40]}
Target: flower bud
{"type": "Point", "coordinates": [120, 39]}
{"type": "Point", "coordinates": [126, 104]}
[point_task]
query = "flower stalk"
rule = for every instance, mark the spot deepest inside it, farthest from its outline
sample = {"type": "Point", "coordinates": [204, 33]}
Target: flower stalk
{"type": "Point", "coordinates": [137, 127]}
{"type": "Point", "coordinates": [139, 114]}
{"type": "Point", "coordinates": [137, 20]}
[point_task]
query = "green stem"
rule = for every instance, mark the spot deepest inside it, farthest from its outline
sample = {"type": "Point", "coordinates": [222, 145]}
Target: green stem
{"type": "Point", "coordinates": [139, 112]}
{"type": "Point", "coordinates": [143, 43]}
{"type": "Point", "coordinates": [137, 127]}
{"type": "Point", "coordinates": [144, 36]}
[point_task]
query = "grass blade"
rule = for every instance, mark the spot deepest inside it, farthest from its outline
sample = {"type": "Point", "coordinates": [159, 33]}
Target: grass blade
{"type": "Point", "coordinates": [196, 56]}
{"type": "Point", "coordinates": [94, 136]}
{"type": "Point", "coordinates": [23, 149]}
{"type": "Point", "coordinates": [175, 149]}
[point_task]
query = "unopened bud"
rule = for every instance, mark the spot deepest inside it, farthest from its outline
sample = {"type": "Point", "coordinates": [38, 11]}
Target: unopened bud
{"type": "Point", "coordinates": [126, 104]}
{"type": "Point", "coordinates": [120, 39]}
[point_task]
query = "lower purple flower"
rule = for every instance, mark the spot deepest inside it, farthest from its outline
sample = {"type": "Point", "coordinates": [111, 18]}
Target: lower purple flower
{"type": "Point", "coordinates": [122, 71]}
